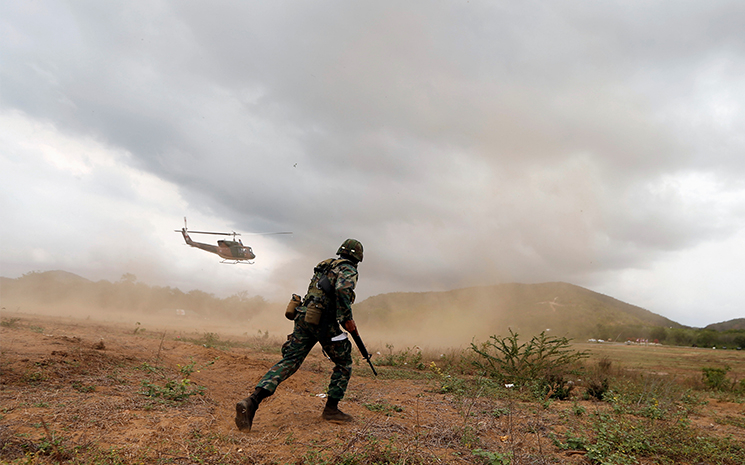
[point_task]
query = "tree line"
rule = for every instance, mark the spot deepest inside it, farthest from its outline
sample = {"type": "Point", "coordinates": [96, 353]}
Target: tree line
{"type": "Point", "coordinates": [684, 336]}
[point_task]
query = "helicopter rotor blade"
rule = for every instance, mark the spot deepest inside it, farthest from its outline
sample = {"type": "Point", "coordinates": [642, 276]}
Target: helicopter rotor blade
{"type": "Point", "coordinates": [268, 233]}
{"type": "Point", "coordinates": [216, 233]}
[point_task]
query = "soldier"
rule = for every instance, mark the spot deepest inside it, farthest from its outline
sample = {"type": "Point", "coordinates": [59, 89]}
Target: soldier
{"type": "Point", "coordinates": [327, 304]}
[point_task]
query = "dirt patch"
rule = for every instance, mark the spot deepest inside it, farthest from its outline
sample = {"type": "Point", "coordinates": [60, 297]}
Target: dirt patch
{"type": "Point", "coordinates": [77, 390]}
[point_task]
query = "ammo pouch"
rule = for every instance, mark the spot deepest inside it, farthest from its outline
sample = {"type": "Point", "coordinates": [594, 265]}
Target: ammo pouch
{"type": "Point", "coordinates": [325, 285]}
{"type": "Point", "coordinates": [321, 295]}
{"type": "Point", "coordinates": [313, 313]}
{"type": "Point", "coordinates": [291, 311]}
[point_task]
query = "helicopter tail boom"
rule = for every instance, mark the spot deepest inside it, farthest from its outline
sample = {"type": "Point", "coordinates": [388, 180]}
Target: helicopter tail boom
{"type": "Point", "coordinates": [186, 237]}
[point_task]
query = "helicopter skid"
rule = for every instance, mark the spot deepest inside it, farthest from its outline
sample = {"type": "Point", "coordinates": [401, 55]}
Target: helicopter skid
{"type": "Point", "coordinates": [237, 262]}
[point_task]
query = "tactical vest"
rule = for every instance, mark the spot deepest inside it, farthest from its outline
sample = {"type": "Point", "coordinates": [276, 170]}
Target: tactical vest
{"type": "Point", "coordinates": [315, 294]}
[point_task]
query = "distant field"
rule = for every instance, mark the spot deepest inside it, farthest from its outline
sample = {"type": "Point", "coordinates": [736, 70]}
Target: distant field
{"type": "Point", "coordinates": [678, 361]}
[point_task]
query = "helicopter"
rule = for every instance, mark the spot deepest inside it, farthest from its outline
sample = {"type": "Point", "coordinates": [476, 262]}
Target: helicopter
{"type": "Point", "coordinates": [231, 251]}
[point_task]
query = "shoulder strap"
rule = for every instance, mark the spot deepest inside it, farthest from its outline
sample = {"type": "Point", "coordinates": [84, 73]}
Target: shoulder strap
{"type": "Point", "coordinates": [324, 265]}
{"type": "Point", "coordinates": [340, 261]}
{"type": "Point", "coordinates": [321, 276]}
{"type": "Point", "coordinates": [331, 263]}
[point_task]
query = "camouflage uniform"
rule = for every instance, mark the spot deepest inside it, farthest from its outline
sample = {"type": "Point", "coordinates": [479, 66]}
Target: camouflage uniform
{"type": "Point", "coordinates": [342, 274]}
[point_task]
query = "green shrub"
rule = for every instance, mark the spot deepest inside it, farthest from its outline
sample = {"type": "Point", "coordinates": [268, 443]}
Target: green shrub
{"type": "Point", "coordinates": [411, 358]}
{"type": "Point", "coordinates": [384, 407]}
{"type": "Point", "coordinates": [715, 378]}
{"type": "Point", "coordinates": [621, 439]}
{"type": "Point", "coordinates": [578, 410]}
{"type": "Point", "coordinates": [571, 441]}
{"type": "Point", "coordinates": [552, 386]}
{"type": "Point", "coordinates": [493, 458]}
{"type": "Point", "coordinates": [542, 364]}
{"type": "Point", "coordinates": [9, 322]}
{"type": "Point", "coordinates": [174, 389]}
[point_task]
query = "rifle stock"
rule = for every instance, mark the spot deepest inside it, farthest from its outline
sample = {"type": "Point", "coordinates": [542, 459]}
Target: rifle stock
{"type": "Point", "coordinates": [363, 350]}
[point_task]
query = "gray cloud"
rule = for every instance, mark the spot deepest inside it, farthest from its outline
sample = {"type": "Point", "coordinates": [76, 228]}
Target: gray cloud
{"type": "Point", "coordinates": [462, 143]}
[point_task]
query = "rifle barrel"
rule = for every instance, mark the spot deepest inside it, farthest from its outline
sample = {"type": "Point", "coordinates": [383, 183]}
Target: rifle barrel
{"type": "Point", "coordinates": [363, 350]}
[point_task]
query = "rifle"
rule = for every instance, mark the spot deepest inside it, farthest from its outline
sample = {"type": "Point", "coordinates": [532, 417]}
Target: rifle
{"type": "Point", "coordinates": [363, 350]}
{"type": "Point", "coordinates": [325, 285]}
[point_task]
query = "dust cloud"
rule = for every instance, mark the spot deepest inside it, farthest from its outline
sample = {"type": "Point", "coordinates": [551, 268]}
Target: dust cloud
{"type": "Point", "coordinates": [156, 310]}
{"type": "Point", "coordinates": [425, 320]}
{"type": "Point", "coordinates": [427, 334]}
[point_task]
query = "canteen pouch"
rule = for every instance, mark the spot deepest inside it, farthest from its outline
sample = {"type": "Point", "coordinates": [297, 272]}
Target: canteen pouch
{"type": "Point", "coordinates": [313, 313]}
{"type": "Point", "coordinates": [291, 309]}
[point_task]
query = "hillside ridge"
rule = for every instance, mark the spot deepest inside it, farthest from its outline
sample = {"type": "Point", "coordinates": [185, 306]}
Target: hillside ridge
{"type": "Point", "coordinates": [558, 307]}
{"type": "Point", "coordinates": [736, 324]}
{"type": "Point", "coordinates": [453, 317]}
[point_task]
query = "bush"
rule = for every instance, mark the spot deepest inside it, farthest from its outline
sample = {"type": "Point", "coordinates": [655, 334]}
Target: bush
{"type": "Point", "coordinates": [542, 363]}
{"type": "Point", "coordinates": [596, 388]}
{"type": "Point", "coordinates": [174, 389]}
{"type": "Point", "coordinates": [715, 378]}
{"type": "Point", "coordinates": [597, 381]}
{"type": "Point", "coordinates": [410, 358]}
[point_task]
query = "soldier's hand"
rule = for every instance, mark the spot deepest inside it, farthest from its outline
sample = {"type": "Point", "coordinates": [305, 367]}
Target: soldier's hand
{"type": "Point", "coordinates": [350, 326]}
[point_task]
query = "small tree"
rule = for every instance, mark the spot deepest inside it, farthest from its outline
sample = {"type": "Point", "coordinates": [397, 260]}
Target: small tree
{"type": "Point", "coordinates": [706, 338]}
{"type": "Point", "coordinates": [545, 360]}
{"type": "Point", "coordinates": [658, 333]}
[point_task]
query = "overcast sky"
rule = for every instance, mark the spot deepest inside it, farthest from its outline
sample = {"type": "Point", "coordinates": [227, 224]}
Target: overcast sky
{"type": "Point", "coordinates": [463, 143]}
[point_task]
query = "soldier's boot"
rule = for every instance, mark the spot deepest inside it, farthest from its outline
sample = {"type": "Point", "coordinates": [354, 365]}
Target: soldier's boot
{"type": "Point", "coordinates": [332, 413]}
{"type": "Point", "coordinates": [246, 409]}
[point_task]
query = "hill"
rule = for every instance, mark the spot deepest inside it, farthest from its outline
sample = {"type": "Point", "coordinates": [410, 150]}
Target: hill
{"type": "Point", "coordinates": [425, 319]}
{"type": "Point", "coordinates": [455, 317]}
{"type": "Point", "coordinates": [64, 293]}
{"type": "Point", "coordinates": [736, 324]}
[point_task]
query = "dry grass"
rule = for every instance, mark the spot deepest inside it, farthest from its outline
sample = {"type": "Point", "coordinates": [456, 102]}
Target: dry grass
{"type": "Point", "coordinates": [66, 399]}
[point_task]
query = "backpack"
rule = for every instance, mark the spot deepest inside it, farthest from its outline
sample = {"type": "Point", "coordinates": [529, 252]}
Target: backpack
{"type": "Point", "coordinates": [320, 299]}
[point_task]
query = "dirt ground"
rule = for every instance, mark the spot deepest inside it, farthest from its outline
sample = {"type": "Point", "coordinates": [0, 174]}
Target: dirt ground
{"type": "Point", "coordinates": [72, 390]}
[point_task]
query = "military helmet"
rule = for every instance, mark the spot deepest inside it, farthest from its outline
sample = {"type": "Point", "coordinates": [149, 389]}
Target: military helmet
{"type": "Point", "coordinates": [351, 248]}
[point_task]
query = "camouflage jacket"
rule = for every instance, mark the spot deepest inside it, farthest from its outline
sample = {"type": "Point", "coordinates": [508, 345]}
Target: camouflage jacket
{"type": "Point", "coordinates": [342, 274]}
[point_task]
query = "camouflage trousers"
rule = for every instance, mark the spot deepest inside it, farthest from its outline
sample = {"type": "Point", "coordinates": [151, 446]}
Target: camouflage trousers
{"type": "Point", "coordinates": [297, 347]}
